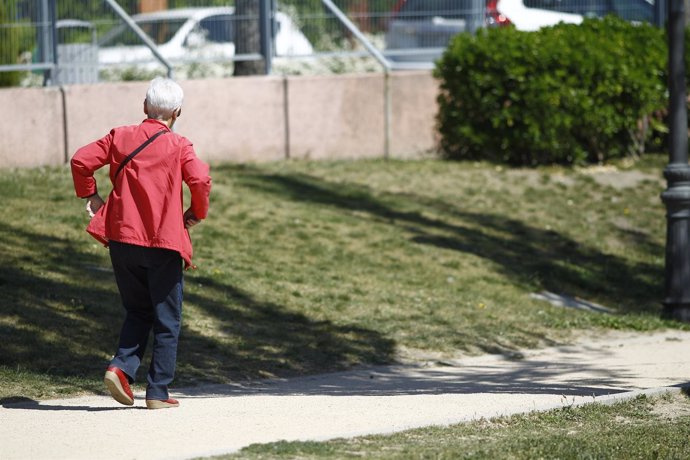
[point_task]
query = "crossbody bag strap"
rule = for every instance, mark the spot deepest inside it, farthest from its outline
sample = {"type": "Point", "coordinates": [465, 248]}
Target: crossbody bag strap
{"type": "Point", "coordinates": [138, 149]}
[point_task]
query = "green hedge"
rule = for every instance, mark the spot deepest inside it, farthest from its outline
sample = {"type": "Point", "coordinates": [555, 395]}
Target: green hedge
{"type": "Point", "coordinates": [566, 94]}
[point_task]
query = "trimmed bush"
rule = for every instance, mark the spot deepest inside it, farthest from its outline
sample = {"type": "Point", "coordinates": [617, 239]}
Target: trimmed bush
{"type": "Point", "coordinates": [566, 94]}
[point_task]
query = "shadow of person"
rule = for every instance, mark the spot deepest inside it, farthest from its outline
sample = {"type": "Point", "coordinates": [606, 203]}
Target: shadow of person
{"type": "Point", "coordinates": [21, 402]}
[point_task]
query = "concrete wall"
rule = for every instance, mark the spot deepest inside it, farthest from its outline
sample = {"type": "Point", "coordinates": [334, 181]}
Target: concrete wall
{"type": "Point", "coordinates": [92, 110]}
{"type": "Point", "coordinates": [413, 123]}
{"type": "Point", "coordinates": [336, 117]}
{"type": "Point", "coordinates": [237, 119]}
{"type": "Point", "coordinates": [31, 127]}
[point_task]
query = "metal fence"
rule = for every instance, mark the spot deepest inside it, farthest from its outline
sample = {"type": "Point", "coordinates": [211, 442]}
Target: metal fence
{"type": "Point", "coordinates": [73, 41]}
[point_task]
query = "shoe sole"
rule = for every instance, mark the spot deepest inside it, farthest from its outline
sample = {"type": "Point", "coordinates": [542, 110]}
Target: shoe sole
{"type": "Point", "coordinates": [112, 382]}
{"type": "Point", "coordinates": [156, 404]}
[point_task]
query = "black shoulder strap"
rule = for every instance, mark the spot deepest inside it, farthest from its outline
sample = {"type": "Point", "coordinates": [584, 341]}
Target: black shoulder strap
{"type": "Point", "coordinates": [138, 149]}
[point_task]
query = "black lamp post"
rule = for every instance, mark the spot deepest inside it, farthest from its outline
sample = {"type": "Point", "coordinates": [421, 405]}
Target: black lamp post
{"type": "Point", "coordinates": [677, 196]}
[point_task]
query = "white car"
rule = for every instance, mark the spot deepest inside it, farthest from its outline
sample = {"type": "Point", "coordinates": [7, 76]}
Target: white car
{"type": "Point", "coordinates": [531, 15]}
{"type": "Point", "coordinates": [191, 35]}
{"type": "Point", "coordinates": [527, 18]}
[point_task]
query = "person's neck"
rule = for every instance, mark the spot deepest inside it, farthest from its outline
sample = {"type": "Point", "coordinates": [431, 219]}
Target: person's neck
{"type": "Point", "coordinates": [167, 122]}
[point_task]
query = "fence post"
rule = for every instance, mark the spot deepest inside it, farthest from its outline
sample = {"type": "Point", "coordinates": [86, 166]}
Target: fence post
{"type": "Point", "coordinates": [266, 30]}
{"type": "Point", "coordinates": [53, 41]}
{"type": "Point", "coordinates": [47, 40]}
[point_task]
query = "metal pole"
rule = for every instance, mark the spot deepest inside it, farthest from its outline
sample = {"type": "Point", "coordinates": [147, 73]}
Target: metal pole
{"type": "Point", "coordinates": [266, 30]}
{"type": "Point", "coordinates": [141, 34]}
{"type": "Point", "coordinates": [54, 43]}
{"type": "Point", "coordinates": [677, 196]}
{"type": "Point", "coordinates": [44, 45]}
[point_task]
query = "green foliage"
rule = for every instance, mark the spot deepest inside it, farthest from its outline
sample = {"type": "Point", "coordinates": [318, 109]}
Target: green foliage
{"type": "Point", "coordinates": [567, 94]}
{"type": "Point", "coordinates": [89, 11]}
{"type": "Point", "coordinates": [15, 37]}
{"type": "Point", "coordinates": [130, 74]}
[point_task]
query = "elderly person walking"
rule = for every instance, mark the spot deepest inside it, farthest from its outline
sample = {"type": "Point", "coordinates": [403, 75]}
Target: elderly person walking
{"type": "Point", "coordinates": [143, 224]}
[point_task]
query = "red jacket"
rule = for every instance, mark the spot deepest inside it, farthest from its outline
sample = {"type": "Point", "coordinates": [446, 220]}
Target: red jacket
{"type": "Point", "coordinates": [145, 206]}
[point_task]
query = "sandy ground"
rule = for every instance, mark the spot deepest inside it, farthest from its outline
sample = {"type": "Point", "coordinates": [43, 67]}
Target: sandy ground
{"type": "Point", "coordinates": [225, 418]}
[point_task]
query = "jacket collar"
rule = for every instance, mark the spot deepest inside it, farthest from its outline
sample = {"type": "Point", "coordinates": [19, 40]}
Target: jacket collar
{"type": "Point", "coordinates": [156, 122]}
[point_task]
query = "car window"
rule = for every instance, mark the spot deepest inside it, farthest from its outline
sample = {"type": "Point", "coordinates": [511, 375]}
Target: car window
{"type": "Point", "coordinates": [586, 8]}
{"type": "Point", "coordinates": [160, 31]}
{"type": "Point", "coordinates": [429, 8]}
{"type": "Point", "coordinates": [218, 28]}
{"type": "Point", "coordinates": [634, 10]}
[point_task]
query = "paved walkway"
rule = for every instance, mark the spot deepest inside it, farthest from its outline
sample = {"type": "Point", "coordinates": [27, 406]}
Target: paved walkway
{"type": "Point", "coordinates": [225, 418]}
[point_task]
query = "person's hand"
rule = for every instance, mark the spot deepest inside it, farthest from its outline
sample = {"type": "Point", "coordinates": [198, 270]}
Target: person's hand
{"type": "Point", "coordinates": [190, 219]}
{"type": "Point", "coordinates": [93, 204]}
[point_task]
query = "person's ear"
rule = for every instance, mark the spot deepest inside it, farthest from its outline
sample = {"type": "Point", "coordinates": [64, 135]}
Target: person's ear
{"type": "Point", "coordinates": [173, 117]}
{"type": "Point", "coordinates": [146, 109]}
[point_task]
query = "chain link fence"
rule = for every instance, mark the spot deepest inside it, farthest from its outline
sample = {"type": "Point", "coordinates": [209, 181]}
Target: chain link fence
{"type": "Point", "coordinates": [73, 41]}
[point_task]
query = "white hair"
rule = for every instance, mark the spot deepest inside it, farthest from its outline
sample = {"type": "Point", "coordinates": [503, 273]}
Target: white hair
{"type": "Point", "coordinates": [163, 97]}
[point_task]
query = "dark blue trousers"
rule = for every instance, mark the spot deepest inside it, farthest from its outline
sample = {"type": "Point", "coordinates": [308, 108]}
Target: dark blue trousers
{"type": "Point", "coordinates": [150, 284]}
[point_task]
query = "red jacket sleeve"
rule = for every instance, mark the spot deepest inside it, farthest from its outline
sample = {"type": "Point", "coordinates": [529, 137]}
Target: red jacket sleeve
{"type": "Point", "coordinates": [86, 161]}
{"type": "Point", "coordinates": [195, 173]}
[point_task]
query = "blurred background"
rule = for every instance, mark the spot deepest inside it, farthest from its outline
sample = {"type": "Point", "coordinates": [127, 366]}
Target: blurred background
{"type": "Point", "coordinates": [46, 42]}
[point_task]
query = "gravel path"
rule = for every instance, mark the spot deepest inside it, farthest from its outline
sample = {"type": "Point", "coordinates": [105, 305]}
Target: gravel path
{"type": "Point", "coordinates": [225, 418]}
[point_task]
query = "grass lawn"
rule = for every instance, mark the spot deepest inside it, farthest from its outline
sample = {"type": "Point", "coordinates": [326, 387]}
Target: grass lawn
{"type": "Point", "coordinates": [643, 428]}
{"type": "Point", "coordinates": [308, 267]}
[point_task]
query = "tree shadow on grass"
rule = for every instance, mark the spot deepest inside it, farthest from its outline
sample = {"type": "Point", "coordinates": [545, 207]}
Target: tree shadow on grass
{"type": "Point", "coordinates": [533, 257]}
{"type": "Point", "coordinates": [60, 316]}
{"type": "Point", "coordinates": [548, 261]}
{"type": "Point", "coordinates": [254, 338]}
{"type": "Point", "coordinates": [57, 311]}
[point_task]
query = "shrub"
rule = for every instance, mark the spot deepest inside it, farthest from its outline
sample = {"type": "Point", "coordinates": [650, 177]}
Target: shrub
{"type": "Point", "coordinates": [564, 94]}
